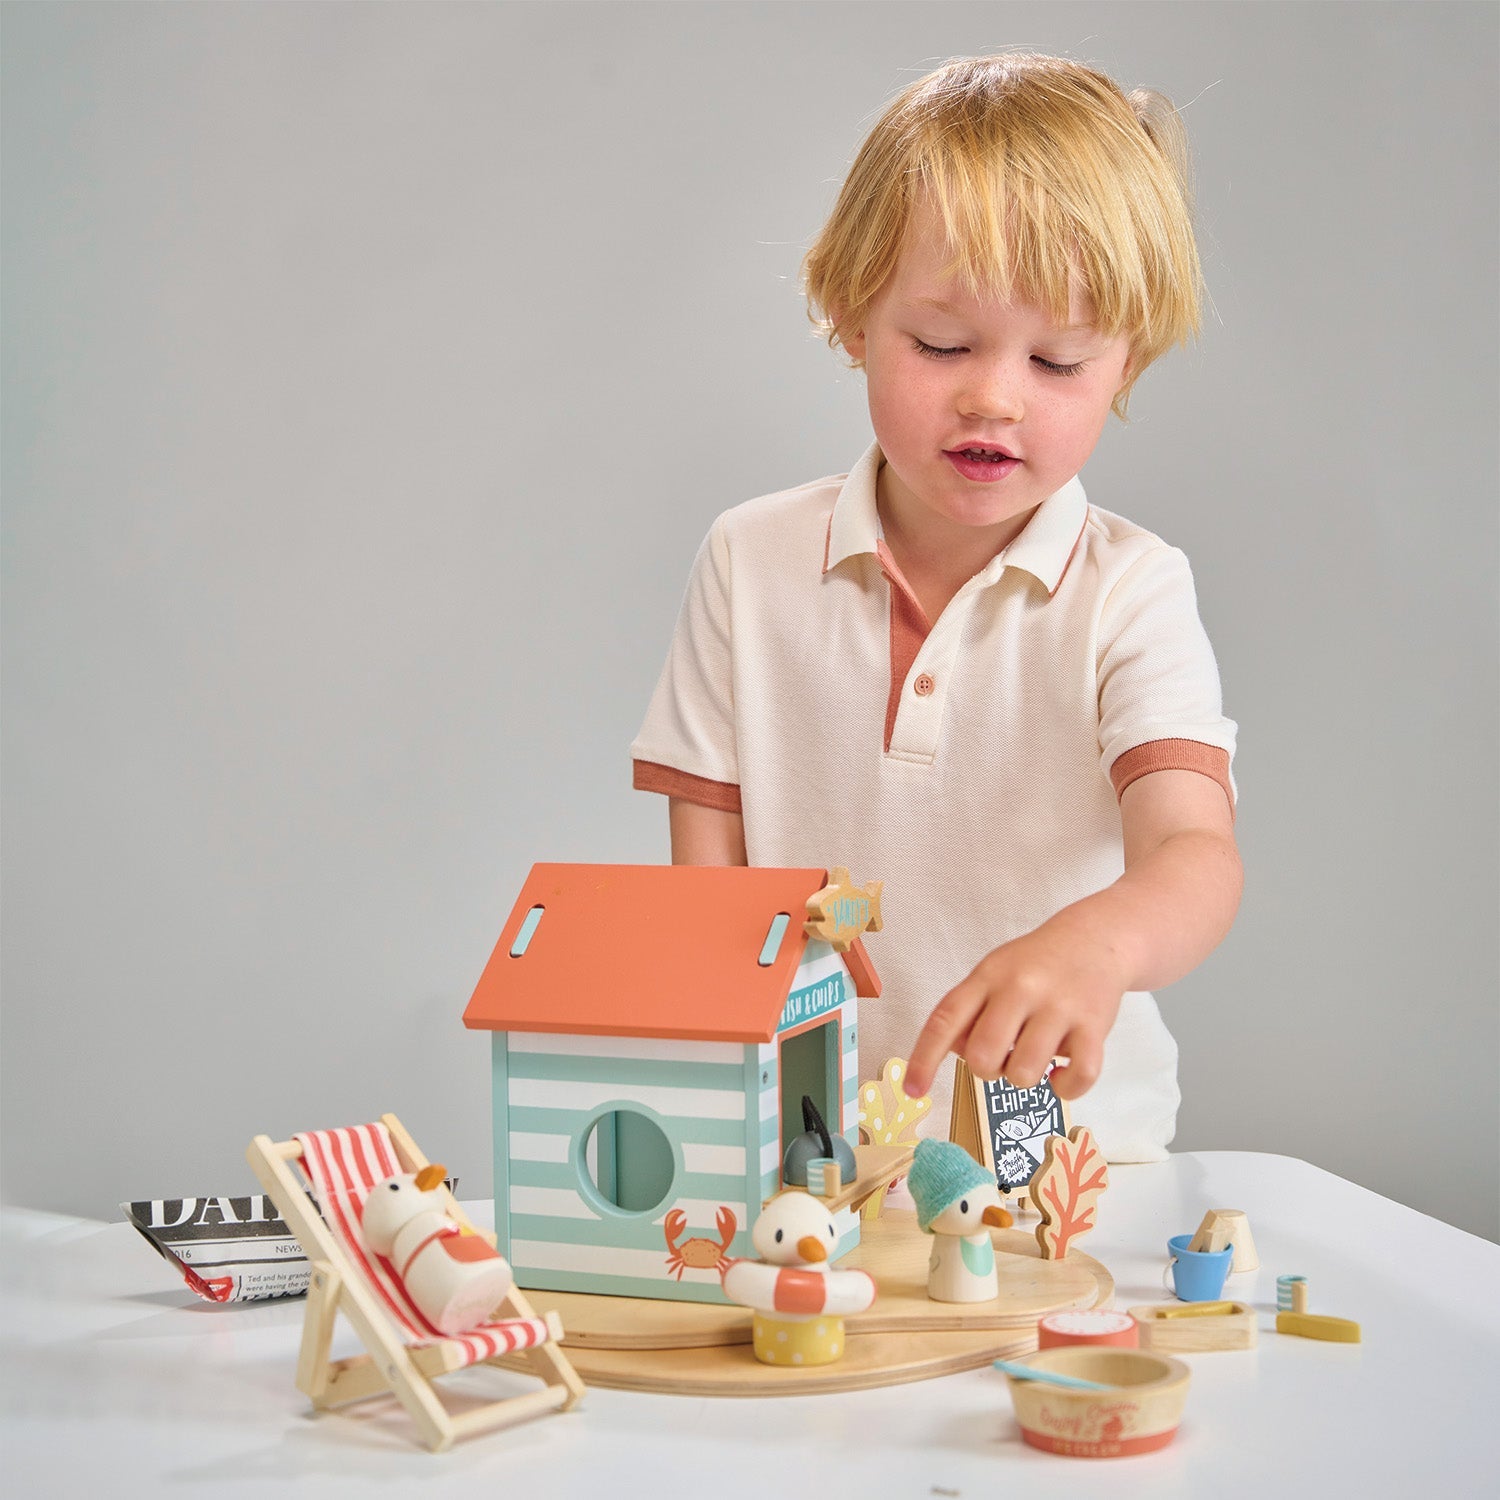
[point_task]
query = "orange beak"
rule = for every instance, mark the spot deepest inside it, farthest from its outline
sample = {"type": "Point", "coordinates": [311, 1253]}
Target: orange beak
{"type": "Point", "coordinates": [997, 1216]}
{"type": "Point", "coordinates": [810, 1247]}
{"type": "Point", "coordinates": [431, 1176]}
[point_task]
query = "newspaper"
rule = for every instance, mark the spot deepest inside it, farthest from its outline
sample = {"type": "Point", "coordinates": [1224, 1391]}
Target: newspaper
{"type": "Point", "coordinates": [228, 1249]}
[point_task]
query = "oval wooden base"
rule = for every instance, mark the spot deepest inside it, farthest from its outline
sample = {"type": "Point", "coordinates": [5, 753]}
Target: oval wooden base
{"type": "Point", "coordinates": [873, 1359]}
{"type": "Point", "coordinates": [702, 1349]}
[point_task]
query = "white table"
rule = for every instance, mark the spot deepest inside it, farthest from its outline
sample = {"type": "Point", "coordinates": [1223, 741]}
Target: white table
{"type": "Point", "coordinates": [118, 1382]}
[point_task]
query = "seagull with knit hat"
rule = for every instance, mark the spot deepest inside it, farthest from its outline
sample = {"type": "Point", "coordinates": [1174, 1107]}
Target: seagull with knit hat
{"type": "Point", "coordinates": [957, 1203]}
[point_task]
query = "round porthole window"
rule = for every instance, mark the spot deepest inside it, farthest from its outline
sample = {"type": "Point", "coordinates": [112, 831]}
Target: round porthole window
{"type": "Point", "coordinates": [626, 1162]}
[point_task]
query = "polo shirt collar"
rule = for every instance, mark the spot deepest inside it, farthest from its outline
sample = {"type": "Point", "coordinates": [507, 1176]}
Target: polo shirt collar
{"type": "Point", "coordinates": [1044, 549]}
{"type": "Point", "coordinates": [854, 526]}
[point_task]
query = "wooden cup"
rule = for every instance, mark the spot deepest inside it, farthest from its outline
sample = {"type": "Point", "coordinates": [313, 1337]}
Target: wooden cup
{"type": "Point", "coordinates": [1139, 1412]}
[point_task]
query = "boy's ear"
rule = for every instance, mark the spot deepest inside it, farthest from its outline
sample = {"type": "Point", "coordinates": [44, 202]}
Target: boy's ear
{"type": "Point", "coordinates": [852, 341]}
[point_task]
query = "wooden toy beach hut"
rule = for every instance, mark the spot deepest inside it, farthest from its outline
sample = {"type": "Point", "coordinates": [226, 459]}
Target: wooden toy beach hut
{"type": "Point", "coordinates": [655, 1029]}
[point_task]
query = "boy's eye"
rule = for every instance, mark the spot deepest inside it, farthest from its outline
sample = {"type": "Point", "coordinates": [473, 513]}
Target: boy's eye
{"type": "Point", "coordinates": [1053, 368]}
{"type": "Point", "coordinates": [936, 351]}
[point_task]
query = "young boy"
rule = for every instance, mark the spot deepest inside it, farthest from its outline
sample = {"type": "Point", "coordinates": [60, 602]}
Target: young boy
{"type": "Point", "coordinates": [946, 669]}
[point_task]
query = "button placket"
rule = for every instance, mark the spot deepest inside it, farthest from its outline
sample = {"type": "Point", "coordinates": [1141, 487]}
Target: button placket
{"type": "Point", "coordinates": [919, 720]}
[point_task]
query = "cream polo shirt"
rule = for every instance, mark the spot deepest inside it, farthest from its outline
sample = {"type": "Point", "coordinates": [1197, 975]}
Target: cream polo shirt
{"type": "Point", "coordinates": [973, 763]}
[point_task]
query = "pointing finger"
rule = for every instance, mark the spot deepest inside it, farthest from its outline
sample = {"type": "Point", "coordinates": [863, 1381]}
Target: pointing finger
{"type": "Point", "coordinates": [943, 1031]}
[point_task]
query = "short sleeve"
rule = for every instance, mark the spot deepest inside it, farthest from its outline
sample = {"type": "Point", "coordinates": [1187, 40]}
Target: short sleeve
{"type": "Point", "coordinates": [686, 746]}
{"type": "Point", "coordinates": [1160, 703]}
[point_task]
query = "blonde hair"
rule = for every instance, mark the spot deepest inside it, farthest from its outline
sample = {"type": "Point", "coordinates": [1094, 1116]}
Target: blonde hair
{"type": "Point", "coordinates": [1046, 177]}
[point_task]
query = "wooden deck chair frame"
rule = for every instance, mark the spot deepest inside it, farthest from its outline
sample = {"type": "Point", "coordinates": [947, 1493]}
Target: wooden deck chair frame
{"type": "Point", "coordinates": [406, 1371]}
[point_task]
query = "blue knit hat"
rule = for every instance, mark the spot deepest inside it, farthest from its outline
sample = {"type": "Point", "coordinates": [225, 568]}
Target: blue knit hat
{"type": "Point", "coordinates": [941, 1173]}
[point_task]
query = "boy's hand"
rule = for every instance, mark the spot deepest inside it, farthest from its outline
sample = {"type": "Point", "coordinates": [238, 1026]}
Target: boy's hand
{"type": "Point", "coordinates": [1054, 992]}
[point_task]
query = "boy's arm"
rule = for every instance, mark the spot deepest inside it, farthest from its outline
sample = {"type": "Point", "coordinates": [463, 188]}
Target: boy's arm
{"type": "Point", "coordinates": [706, 836]}
{"type": "Point", "coordinates": [1056, 991]}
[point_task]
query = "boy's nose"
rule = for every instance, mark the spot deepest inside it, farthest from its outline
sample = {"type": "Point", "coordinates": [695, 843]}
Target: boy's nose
{"type": "Point", "coordinates": [991, 396]}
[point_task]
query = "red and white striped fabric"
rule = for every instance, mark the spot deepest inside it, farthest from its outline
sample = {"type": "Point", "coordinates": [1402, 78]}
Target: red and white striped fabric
{"type": "Point", "coordinates": [342, 1166]}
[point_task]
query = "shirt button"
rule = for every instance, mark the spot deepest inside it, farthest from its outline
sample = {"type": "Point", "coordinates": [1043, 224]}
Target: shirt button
{"type": "Point", "coordinates": [923, 686]}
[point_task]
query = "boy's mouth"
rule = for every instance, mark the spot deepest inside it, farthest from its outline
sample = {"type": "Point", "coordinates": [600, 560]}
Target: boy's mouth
{"type": "Point", "coordinates": [981, 462]}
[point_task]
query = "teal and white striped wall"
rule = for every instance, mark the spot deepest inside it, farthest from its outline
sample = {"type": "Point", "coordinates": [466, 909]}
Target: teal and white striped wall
{"type": "Point", "coordinates": [706, 1115]}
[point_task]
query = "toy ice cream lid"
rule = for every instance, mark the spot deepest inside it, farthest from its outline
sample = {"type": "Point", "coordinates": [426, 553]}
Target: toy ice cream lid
{"type": "Point", "coordinates": [1094, 1326]}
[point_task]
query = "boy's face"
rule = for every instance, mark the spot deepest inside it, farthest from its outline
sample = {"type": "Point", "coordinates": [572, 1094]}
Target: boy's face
{"type": "Point", "coordinates": [982, 408]}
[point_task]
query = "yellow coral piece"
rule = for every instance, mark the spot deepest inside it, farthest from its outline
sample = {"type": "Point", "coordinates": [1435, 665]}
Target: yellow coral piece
{"type": "Point", "coordinates": [887, 1116]}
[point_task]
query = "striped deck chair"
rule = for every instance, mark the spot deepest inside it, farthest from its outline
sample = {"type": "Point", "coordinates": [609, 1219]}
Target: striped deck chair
{"type": "Point", "coordinates": [405, 1352]}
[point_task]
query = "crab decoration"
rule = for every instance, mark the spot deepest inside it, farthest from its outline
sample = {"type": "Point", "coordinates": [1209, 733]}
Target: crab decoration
{"type": "Point", "coordinates": [697, 1253]}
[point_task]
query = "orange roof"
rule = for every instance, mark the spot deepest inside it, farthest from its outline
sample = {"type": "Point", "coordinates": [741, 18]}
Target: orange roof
{"type": "Point", "coordinates": [652, 950]}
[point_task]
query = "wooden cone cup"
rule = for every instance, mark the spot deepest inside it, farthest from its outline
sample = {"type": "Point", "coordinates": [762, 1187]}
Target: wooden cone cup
{"type": "Point", "coordinates": [1244, 1258]}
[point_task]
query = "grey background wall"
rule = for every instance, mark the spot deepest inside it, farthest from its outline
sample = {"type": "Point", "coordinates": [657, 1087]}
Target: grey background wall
{"type": "Point", "coordinates": [370, 376]}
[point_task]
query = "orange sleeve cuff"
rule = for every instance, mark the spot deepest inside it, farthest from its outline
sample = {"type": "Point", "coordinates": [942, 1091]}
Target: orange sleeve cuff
{"type": "Point", "coordinates": [722, 796]}
{"type": "Point", "coordinates": [1172, 755]}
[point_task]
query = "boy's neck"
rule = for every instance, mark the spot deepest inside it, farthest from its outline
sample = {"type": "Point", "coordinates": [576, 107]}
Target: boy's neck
{"type": "Point", "coordinates": [937, 557]}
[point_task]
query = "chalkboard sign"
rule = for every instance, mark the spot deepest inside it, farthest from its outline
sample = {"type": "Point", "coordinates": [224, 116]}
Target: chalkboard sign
{"type": "Point", "coordinates": [1004, 1127]}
